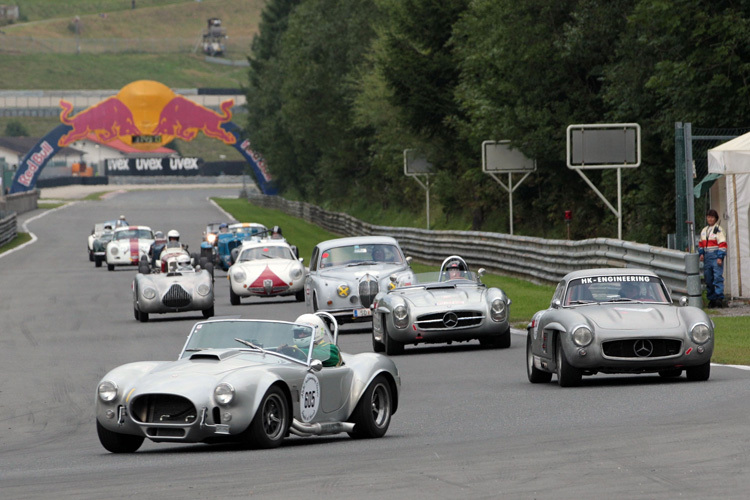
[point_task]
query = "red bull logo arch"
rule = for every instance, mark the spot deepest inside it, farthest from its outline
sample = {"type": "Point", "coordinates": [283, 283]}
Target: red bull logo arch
{"type": "Point", "coordinates": [145, 115]}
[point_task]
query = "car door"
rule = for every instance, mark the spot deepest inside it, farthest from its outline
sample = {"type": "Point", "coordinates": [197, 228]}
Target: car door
{"type": "Point", "coordinates": [335, 383]}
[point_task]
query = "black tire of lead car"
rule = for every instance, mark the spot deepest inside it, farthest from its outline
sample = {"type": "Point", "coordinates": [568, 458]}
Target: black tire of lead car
{"type": "Point", "coordinates": [116, 442]}
{"type": "Point", "coordinates": [271, 422]}
{"type": "Point", "coordinates": [567, 375]}
{"type": "Point", "coordinates": [699, 373]}
{"type": "Point", "coordinates": [372, 415]}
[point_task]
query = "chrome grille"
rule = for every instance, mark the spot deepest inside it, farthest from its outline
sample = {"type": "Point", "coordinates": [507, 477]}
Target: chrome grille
{"type": "Point", "coordinates": [368, 289]}
{"type": "Point", "coordinates": [450, 320]}
{"type": "Point", "coordinates": [176, 297]}
{"type": "Point", "coordinates": [635, 348]}
{"type": "Point", "coordinates": [163, 409]}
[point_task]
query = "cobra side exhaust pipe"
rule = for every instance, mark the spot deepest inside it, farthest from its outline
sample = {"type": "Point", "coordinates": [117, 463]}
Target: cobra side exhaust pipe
{"type": "Point", "coordinates": [301, 429]}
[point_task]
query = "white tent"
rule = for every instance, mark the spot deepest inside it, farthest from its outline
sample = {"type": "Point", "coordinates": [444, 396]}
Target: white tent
{"type": "Point", "coordinates": [730, 196]}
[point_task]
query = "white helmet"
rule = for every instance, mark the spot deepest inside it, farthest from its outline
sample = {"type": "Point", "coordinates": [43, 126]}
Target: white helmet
{"type": "Point", "coordinates": [316, 322]}
{"type": "Point", "coordinates": [173, 234]}
{"type": "Point", "coordinates": [183, 261]}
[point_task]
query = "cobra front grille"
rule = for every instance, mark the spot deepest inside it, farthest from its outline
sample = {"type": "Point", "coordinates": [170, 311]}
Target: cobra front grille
{"type": "Point", "coordinates": [163, 409]}
{"type": "Point", "coordinates": [368, 289]}
{"type": "Point", "coordinates": [641, 348]}
{"type": "Point", "coordinates": [450, 320]}
{"type": "Point", "coordinates": [176, 296]}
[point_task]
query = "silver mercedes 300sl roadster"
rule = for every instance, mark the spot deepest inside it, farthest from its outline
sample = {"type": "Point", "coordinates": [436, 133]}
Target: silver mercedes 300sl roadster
{"type": "Point", "coordinates": [451, 305]}
{"type": "Point", "coordinates": [250, 381]}
{"type": "Point", "coordinates": [617, 321]}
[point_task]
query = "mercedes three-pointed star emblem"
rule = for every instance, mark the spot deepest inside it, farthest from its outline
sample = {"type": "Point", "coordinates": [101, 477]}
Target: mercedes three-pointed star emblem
{"type": "Point", "coordinates": [450, 320]}
{"type": "Point", "coordinates": [643, 348]}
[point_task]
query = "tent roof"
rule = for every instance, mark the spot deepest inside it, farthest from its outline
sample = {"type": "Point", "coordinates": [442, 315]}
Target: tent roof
{"type": "Point", "coordinates": [732, 157]}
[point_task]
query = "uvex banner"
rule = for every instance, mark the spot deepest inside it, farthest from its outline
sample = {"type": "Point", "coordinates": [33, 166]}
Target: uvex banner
{"type": "Point", "coordinates": [154, 166]}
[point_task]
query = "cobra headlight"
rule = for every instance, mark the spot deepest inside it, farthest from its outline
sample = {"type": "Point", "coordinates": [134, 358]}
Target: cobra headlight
{"type": "Point", "coordinates": [400, 316]}
{"type": "Point", "coordinates": [296, 273]}
{"type": "Point", "coordinates": [107, 391]}
{"type": "Point", "coordinates": [203, 289]}
{"type": "Point", "coordinates": [582, 336]}
{"type": "Point", "coordinates": [343, 290]}
{"type": "Point", "coordinates": [114, 250]}
{"type": "Point", "coordinates": [498, 310]}
{"type": "Point", "coordinates": [149, 293]}
{"type": "Point", "coordinates": [238, 275]}
{"type": "Point", "coordinates": [224, 393]}
{"type": "Point", "coordinates": [700, 333]}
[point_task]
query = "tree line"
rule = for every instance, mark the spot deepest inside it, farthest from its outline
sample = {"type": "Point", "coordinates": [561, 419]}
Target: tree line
{"type": "Point", "coordinates": [337, 89]}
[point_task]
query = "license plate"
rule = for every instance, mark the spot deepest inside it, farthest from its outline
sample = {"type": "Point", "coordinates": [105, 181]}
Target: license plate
{"type": "Point", "coordinates": [361, 313]}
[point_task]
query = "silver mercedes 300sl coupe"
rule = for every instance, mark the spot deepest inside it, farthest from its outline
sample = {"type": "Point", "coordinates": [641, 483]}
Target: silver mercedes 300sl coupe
{"type": "Point", "coordinates": [617, 321]}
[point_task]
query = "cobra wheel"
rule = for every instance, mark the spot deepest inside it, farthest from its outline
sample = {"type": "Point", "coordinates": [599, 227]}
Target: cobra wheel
{"type": "Point", "coordinates": [699, 373]}
{"type": "Point", "coordinates": [392, 347]}
{"type": "Point", "coordinates": [271, 422]}
{"type": "Point", "coordinates": [567, 375]}
{"type": "Point", "coordinates": [234, 299]}
{"type": "Point", "coordinates": [116, 442]}
{"type": "Point", "coordinates": [372, 415]}
{"type": "Point", "coordinates": [536, 376]}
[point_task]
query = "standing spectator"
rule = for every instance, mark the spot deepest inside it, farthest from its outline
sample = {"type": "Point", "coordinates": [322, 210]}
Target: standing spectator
{"type": "Point", "coordinates": [713, 250]}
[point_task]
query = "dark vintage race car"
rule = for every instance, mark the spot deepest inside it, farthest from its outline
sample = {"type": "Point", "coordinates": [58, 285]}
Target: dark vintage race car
{"type": "Point", "coordinates": [229, 243]}
{"type": "Point", "coordinates": [249, 381]}
{"type": "Point", "coordinates": [451, 305]}
{"type": "Point", "coordinates": [617, 321]}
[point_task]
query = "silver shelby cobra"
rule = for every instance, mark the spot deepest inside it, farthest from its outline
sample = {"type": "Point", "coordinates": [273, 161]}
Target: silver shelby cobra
{"type": "Point", "coordinates": [347, 273]}
{"type": "Point", "coordinates": [181, 288]}
{"type": "Point", "coordinates": [447, 306]}
{"type": "Point", "coordinates": [249, 381]}
{"type": "Point", "coordinates": [617, 321]}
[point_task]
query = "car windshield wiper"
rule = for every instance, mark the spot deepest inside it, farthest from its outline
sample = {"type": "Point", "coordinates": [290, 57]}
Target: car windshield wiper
{"type": "Point", "coordinates": [250, 344]}
{"type": "Point", "coordinates": [582, 301]}
{"type": "Point", "coordinates": [623, 299]}
{"type": "Point", "coordinates": [363, 263]}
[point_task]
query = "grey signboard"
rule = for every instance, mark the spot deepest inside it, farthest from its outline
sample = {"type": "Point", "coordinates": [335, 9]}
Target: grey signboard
{"type": "Point", "coordinates": [497, 156]}
{"type": "Point", "coordinates": [598, 146]}
{"type": "Point", "coordinates": [416, 163]}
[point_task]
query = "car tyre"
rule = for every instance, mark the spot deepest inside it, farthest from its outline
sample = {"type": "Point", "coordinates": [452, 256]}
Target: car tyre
{"type": "Point", "coordinates": [501, 341]}
{"type": "Point", "coordinates": [91, 256]}
{"type": "Point", "coordinates": [372, 415]}
{"type": "Point", "coordinates": [300, 296]}
{"type": "Point", "coordinates": [536, 376]}
{"type": "Point", "coordinates": [142, 317]}
{"type": "Point", "coordinates": [699, 373]}
{"type": "Point", "coordinates": [208, 313]}
{"type": "Point", "coordinates": [110, 267]}
{"type": "Point", "coordinates": [377, 346]}
{"type": "Point", "coordinates": [315, 303]}
{"type": "Point", "coordinates": [271, 422]}
{"type": "Point", "coordinates": [671, 373]}
{"type": "Point", "coordinates": [116, 442]}
{"type": "Point", "coordinates": [210, 268]}
{"type": "Point", "coordinates": [234, 299]}
{"type": "Point", "coordinates": [136, 313]}
{"type": "Point", "coordinates": [97, 261]}
{"type": "Point", "coordinates": [567, 375]}
{"type": "Point", "coordinates": [392, 347]}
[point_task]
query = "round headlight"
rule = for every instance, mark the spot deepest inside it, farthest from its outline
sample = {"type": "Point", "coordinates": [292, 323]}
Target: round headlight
{"type": "Point", "coordinates": [239, 275]}
{"type": "Point", "coordinates": [224, 393]}
{"type": "Point", "coordinates": [343, 290]}
{"type": "Point", "coordinates": [149, 293]}
{"type": "Point", "coordinates": [296, 273]}
{"type": "Point", "coordinates": [700, 333]}
{"type": "Point", "coordinates": [582, 336]}
{"type": "Point", "coordinates": [114, 250]}
{"type": "Point", "coordinates": [107, 391]}
{"type": "Point", "coordinates": [400, 316]}
{"type": "Point", "coordinates": [498, 310]}
{"type": "Point", "coordinates": [203, 289]}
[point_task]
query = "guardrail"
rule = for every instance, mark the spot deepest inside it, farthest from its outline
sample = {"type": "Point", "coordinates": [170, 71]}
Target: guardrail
{"type": "Point", "coordinates": [8, 227]}
{"type": "Point", "coordinates": [535, 259]}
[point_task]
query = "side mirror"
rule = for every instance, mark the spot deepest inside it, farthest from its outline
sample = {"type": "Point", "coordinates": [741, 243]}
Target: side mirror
{"type": "Point", "coordinates": [683, 301]}
{"type": "Point", "coordinates": [302, 259]}
{"type": "Point", "coordinates": [408, 261]}
{"type": "Point", "coordinates": [316, 365]}
{"type": "Point", "coordinates": [556, 304]}
{"type": "Point", "coordinates": [481, 272]}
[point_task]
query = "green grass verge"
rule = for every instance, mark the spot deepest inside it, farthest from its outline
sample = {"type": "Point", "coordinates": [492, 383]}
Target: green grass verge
{"type": "Point", "coordinates": [732, 342]}
{"type": "Point", "coordinates": [19, 240]}
{"type": "Point", "coordinates": [49, 205]}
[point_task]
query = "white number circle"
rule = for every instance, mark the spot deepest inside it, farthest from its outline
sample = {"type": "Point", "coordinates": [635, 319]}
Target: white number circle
{"type": "Point", "coordinates": [309, 398]}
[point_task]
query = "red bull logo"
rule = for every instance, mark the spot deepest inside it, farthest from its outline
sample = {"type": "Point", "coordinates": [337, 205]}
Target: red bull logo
{"type": "Point", "coordinates": [34, 162]}
{"type": "Point", "coordinates": [146, 115]}
{"type": "Point", "coordinates": [183, 118]}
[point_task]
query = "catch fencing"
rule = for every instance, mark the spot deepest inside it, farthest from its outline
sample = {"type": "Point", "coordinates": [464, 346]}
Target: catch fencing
{"type": "Point", "coordinates": [8, 227]}
{"type": "Point", "coordinates": [535, 259]}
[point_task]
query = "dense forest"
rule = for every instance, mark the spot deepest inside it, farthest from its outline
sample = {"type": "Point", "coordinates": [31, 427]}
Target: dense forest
{"type": "Point", "coordinates": [337, 90]}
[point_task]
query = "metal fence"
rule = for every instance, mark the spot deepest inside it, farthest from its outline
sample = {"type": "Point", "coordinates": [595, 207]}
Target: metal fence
{"type": "Point", "coordinates": [236, 47]}
{"type": "Point", "coordinates": [535, 259]}
{"type": "Point", "coordinates": [8, 227]}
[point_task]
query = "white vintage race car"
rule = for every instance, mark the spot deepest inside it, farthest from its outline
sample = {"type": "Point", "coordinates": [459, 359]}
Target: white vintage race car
{"type": "Point", "coordinates": [182, 288]}
{"type": "Point", "coordinates": [266, 268]}
{"type": "Point", "coordinates": [128, 245]}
